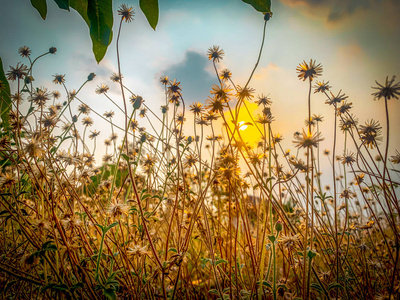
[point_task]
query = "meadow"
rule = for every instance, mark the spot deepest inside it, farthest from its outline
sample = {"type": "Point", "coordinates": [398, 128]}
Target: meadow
{"type": "Point", "coordinates": [205, 215]}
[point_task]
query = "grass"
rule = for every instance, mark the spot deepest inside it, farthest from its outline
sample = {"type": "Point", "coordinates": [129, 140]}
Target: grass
{"type": "Point", "coordinates": [205, 216]}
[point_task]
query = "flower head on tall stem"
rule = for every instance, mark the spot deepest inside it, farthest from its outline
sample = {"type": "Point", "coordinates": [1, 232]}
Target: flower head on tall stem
{"type": "Point", "coordinates": [307, 140]}
{"type": "Point", "coordinates": [310, 70]}
{"type": "Point", "coordinates": [215, 53]}
{"type": "Point", "coordinates": [24, 51]}
{"type": "Point", "coordinates": [389, 90]}
{"type": "Point", "coordinates": [322, 87]}
{"type": "Point", "coordinates": [127, 13]}
{"type": "Point", "coordinates": [19, 72]}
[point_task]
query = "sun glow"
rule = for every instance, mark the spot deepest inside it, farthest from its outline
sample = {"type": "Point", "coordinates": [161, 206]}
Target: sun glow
{"type": "Point", "coordinates": [247, 128]}
{"type": "Point", "coordinates": [242, 125]}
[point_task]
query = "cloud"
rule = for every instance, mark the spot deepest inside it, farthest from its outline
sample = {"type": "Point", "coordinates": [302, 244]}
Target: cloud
{"type": "Point", "coordinates": [338, 10]}
{"type": "Point", "coordinates": [192, 72]}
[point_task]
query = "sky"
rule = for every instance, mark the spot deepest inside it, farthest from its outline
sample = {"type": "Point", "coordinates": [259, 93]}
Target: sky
{"type": "Point", "coordinates": [356, 41]}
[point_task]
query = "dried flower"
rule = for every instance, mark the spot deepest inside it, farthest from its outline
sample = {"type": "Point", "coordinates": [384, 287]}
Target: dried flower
{"type": "Point", "coordinates": [387, 91]}
{"type": "Point", "coordinates": [310, 71]}
{"type": "Point", "coordinates": [127, 13]}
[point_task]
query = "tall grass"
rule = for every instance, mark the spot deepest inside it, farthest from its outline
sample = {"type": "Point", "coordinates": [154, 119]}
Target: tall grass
{"type": "Point", "coordinates": [192, 217]}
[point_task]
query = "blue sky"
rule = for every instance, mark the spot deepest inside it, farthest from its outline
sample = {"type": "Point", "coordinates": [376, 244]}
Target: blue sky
{"type": "Point", "coordinates": [356, 41]}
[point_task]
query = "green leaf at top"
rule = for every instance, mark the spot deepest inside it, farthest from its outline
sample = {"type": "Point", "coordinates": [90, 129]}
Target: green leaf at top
{"type": "Point", "coordinates": [5, 101]}
{"type": "Point", "coordinates": [63, 4]}
{"type": "Point", "coordinates": [100, 17]}
{"type": "Point", "coordinates": [150, 10]}
{"type": "Point", "coordinates": [81, 7]}
{"type": "Point", "coordinates": [41, 7]}
{"type": "Point", "coordinates": [263, 6]}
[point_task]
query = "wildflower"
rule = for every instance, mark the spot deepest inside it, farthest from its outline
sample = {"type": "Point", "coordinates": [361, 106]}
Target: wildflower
{"type": "Point", "coordinates": [215, 53]}
{"type": "Point", "coordinates": [134, 125]}
{"type": "Point", "coordinates": [221, 91]}
{"type": "Point", "coordinates": [309, 122]}
{"type": "Point", "coordinates": [215, 105]}
{"type": "Point", "coordinates": [48, 121]}
{"type": "Point", "coordinates": [59, 79]}
{"type": "Point", "coordinates": [347, 123]}
{"type": "Point", "coordinates": [387, 91]}
{"type": "Point", "coordinates": [346, 194]}
{"type": "Point", "coordinates": [359, 178]}
{"type": "Point", "coordinates": [202, 121]}
{"type": "Point", "coordinates": [245, 93]}
{"type": "Point", "coordinates": [348, 158]}
{"type": "Point", "coordinates": [307, 140]}
{"type": "Point", "coordinates": [24, 51]}
{"type": "Point", "coordinates": [118, 209]}
{"type": "Point", "coordinates": [127, 13]}
{"type": "Point", "coordinates": [174, 87]}
{"type": "Point", "coordinates": [180, 118]}
{"type": "Point", "coordinates": [164, 80]}
{"type": "Point", "coordinates": [33, 148]}
{"type": "Point", "coordinates": [102, 89]}
{"type": "Point", "coordinates": [396, 158]}
{"type": "Point", "coordinates": [264, 119]}
{"type": "Point", "coordinates": [211, 116]}
{"type": "Point", "coordinates": [115, 77]}
{"type": "Point", "coordinates": [84, 109]}
{"type": "Point", "coordinates": [113, 137]}
{"type": "Point", "coordinates": [336, 99]}
{"type": "Point", "coordinates": [148, 162]}
{"type": "Point", "coordinates": [17, 97]}
{"type": "Point", "coordinates": [72, 94]}
{"type": "Point", "coordinates": [109, 114]}
{"type": "Point", "coordinates": [52, 50]}
{"type": "Point", "coordinates": [107, 142]}
{"type": "Point", "coordinates": [190, 160]}
{"type": "Point", "coordinates": [137, 250]}
{"type": "Point", "coordinates": [142, 112]}
{"type": "Point", "coordinates": [19, 72]}
{"type": "Point", "coordinates": [299, 164]}
{"type": "Point", "coordinates": [7, 180]}
{"type": "Point", "coordinates": [318, 118]}
{"type": "Point", "coordinates": [321, 87]}
{"type": "Point", "coordinates": [196, 108]}
{"type": "Point", "coordinates": [71, 222]}
{"type": "Point", "coordinates": [289, 241]}
{"type": "Point", "coordinates": [40, 96]}
{"type": "Point", "coordinates": [56, 94]}
{"type": "Point", "coordinates": [277, 138]}
{"type": "Point", "coordinates": [93, 134]}
{"type": "Point", "coordinates": [310, 71]}
{"type": "Point", "coordinates": [255, 158]}
{"type": "Point", "coordinates": [370, 133]}
{"type": "Point", "coordinates": [264, 100]}
{"type": "Point", "coordinates": [107, 158]}
{"type": "Point", "coordinates": [344, 108]}
{"type": "Point", "coordinates": [225, 74]}
{"type": "Point", "coordinates": [87, 121]}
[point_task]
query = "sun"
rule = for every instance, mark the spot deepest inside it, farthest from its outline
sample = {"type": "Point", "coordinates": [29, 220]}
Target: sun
{"type": "Point", "coordinates": [248, 130]}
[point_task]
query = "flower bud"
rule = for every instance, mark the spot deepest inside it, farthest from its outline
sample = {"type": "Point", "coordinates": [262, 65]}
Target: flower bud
{"type": "Point", "coordinates": [278, 226]}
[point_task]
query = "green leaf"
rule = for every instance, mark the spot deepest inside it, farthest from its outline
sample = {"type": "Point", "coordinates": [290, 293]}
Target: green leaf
{"type": "Point", "coordinates": [150, 10]}
{"type": "Point", "coordinates": [221, 261]}
{"type": "Point", "coordinates": [41, 7]}
{"type": "Point", "coordinates": [63, 4]}
{"type": "Point", "coordinates": [263, 6]}
{"type": "Point", "coordinates": [267, 284]}
{"type": "Point", "coordinates": [111, 226]}
{"type": "Point", "coordinates": [100, 16]}
{"type": "Point", "coordinates": [334, 285]}
{"type": "Point", "coordinates": [5, 101]}
{"type": "Point", "coordinates": [81, 7]}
